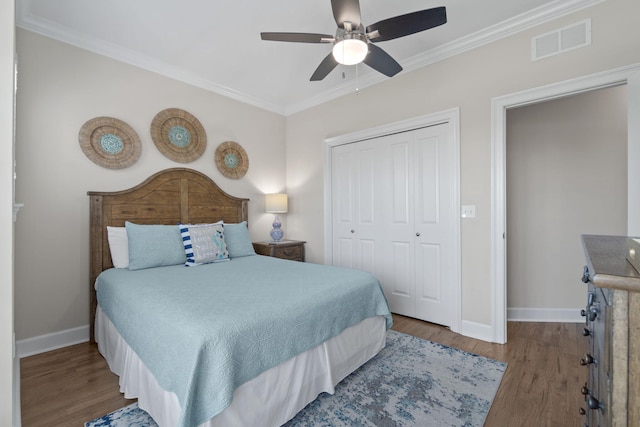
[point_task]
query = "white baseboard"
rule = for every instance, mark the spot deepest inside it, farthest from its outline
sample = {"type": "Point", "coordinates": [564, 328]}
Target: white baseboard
{"type": "Point", "coordinates": [477, 330]}
{"type": "Point", "coordinates": [564, 315]}
{"type": "Point", "coordinates": [53, 341]}
{"type": "Point", "coordinates": [485, 332]}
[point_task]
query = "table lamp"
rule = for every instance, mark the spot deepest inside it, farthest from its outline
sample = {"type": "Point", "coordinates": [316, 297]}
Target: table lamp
{"type": "Point", "coordinates": [276, 204]}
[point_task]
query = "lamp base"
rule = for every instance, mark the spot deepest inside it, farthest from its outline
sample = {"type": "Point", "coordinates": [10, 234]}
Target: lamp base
{"type": "Point", "coordinates": [276, 232]}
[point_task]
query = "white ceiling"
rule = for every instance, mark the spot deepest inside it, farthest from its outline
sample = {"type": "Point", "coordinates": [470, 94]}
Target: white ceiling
{"type": "Point", "coordinates": [216, 45]}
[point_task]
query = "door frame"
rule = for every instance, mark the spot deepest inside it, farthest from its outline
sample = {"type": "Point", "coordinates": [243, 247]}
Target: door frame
{"type": "Point", "coordinates": [629, 75]}
{"type": "Point", "coordinates": [452, 118]}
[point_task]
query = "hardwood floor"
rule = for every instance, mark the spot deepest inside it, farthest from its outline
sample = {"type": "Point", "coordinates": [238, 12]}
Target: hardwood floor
{"type": "Point", "coordinates": [541, 386]}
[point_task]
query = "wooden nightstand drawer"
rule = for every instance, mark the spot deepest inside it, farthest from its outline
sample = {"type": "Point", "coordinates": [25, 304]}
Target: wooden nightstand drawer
{"type": "Point", "coordinates": [289, 252]}
{"type": "Point", "coordinates": [287, 249]}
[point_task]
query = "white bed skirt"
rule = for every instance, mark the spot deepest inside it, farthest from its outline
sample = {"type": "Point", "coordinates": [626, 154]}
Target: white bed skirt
{"type": "Point", "coordinates": [271, 399]}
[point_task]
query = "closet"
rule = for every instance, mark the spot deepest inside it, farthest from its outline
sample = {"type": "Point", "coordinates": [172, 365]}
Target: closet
{"type": "Point", "coordinates": [394, 213]}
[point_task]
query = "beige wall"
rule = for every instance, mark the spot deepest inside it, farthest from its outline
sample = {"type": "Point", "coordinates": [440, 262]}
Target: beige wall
{"type": "Point", "coordinates": [566, 176]}
{"type": "Point", "coordinates": [7, 39]}
{"type": "Point", "coordinates": [469, 81]}
{"type": "Point", "coordinates": [60, 87]}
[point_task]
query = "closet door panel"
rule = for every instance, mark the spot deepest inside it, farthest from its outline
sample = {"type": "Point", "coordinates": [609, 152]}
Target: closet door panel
{"type": "Point", "coordinates": [433, 220]}
{"type": "Point", "coordinates": [427, 180]}
{"type": "Point", "coordinates": [369, 208]}
{"type": "Point", "coordinates": [343, 189]}
{"type": "Point", "coordinates": [343, 252]}
{"type": "Point", "coordinates": [400, 198]}
{"type": "Point", "coordinates": [428, 272]}
{"type": "Point", "coordinates": [366, 214]}
{"type": "Point", "coordinates": [392, 201]}
{"type": "Point", "coordinates": [399, 284]}
{"type": "Point", "coordinates": [400, 288]}
{"type": "Point", "coordinates": [366, 186]}
{"type": "Point", "coordinates": [368, 255]}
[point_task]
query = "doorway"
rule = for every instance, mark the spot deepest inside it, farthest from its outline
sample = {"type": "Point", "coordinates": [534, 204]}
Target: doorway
{"type": "Point", "coordinates": [630, 76]}
{"type": "Point", "coordinates": [566, 176]}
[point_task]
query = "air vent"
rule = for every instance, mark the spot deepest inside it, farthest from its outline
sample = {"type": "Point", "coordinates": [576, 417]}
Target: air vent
{"type": "Point", "coordinates": [559, 41]}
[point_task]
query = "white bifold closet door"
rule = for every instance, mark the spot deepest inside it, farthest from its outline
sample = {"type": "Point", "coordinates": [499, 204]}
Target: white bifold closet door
{"type": "Point", "coordinates": [392, 215]}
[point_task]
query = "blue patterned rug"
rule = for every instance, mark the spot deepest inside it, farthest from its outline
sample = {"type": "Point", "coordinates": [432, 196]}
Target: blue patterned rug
{"type": "Point", "coordinates": [411, 382]}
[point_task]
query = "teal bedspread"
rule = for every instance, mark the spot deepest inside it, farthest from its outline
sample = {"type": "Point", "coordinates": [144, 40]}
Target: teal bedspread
{"type": "Point", "coordinates": [203, 331]}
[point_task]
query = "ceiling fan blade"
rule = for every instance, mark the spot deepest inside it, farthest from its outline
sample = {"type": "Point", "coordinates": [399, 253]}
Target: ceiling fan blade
{"type": "Point", "coordinates": [297, 37]}
{"type": "Point", "coordinates": [346, 10]}
{"type": "Point", "coordinates": [381, 61]}
{"type": "Point", "coordinates": [326, 66]}
{"type": "Point", "coordinates": [404, 25]}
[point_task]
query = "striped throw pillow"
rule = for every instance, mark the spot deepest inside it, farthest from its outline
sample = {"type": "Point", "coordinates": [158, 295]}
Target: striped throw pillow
{"type": "Point", "coordinates": [203, 243]}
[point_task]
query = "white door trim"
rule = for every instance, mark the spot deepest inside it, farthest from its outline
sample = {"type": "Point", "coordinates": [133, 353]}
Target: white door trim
{"type": "Point", "coordinates": [629, 75]}
{"type": "Point", "coordinates": [452, 117]}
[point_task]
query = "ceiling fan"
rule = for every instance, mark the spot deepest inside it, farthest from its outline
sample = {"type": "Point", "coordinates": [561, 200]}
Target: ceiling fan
{"type": "Point", "coordinates": [353, 43]}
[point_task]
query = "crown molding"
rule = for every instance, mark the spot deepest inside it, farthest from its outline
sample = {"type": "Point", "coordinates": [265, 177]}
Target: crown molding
{"type": "Point", "coordinates": [488, 35]}
{"type": "Point", "coordinates": [542, 14]}
{"type": "Point", "coordinates": [55, 31]}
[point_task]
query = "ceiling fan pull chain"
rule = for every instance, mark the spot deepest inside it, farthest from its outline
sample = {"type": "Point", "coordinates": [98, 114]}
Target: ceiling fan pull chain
{"type": "Point", "coordinates": [357, 80]}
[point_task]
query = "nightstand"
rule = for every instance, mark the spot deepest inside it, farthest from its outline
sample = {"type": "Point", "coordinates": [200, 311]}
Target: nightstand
{"type": "Point", "coordinates": [285, 249]}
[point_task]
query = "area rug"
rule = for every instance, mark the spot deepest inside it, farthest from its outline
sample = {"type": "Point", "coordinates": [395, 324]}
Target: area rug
{"type": "Point", "coordinates": [411, 382]}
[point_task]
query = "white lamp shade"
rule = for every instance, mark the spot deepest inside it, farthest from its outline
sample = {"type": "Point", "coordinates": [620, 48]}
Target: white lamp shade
{"type": "Point", "coordinates": [350, 51]}
{"type": "Point", "coordinates": [276, 203]}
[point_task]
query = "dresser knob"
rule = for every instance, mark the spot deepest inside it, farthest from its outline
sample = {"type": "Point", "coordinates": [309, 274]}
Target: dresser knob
{"type": "Point", "coordinates": [593, 313]}
{"type": "Point", "coordinates": [585, 274]}
{"type": "Point", "coordinates": [587, 360]}
{"type": "Point", "coordinates": [584, 390]}
{"type": "Point", "coordinates": [586, 332]}
{"type": "Point", "coordinates": [581, 411]}
{"type": "Point", "coordinates": [353, 231]}
{"type": "Point", "coordinates": [593, 403]}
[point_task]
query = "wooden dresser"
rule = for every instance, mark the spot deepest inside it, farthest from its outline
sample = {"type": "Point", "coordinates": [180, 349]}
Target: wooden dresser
{"type": "Point", "coordinates": [285, 249]}
{"type": "Point", "coordinates": [612, 389]}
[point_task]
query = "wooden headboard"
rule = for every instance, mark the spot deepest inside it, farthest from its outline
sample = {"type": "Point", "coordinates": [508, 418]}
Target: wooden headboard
{"type": "Point", "coordinates": [171, 196]}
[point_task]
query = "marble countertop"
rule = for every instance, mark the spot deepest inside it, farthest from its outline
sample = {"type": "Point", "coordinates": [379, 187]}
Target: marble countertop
{"type": "Point", "coordinates": [608, 264]}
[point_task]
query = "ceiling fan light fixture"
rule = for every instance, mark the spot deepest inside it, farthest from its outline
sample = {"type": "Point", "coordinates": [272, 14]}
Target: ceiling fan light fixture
{"type": "Point", "coordinates": [350, 51]}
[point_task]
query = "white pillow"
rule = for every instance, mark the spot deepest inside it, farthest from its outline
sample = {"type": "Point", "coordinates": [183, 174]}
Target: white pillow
{"type": "Point", "coordinates": [119, 246]}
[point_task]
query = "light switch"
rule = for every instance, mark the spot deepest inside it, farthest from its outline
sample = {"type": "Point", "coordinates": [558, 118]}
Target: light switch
{"type": "Point", "coordinates": [468, 211]}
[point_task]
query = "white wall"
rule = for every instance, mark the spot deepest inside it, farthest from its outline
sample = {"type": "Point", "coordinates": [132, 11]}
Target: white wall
{"type": "Point", "coordinates": [469, 81]}
{"type": "Point", "coordinates": [60, 87]}
{"type": "Point", "coordinates": [566, 176]}
{"type": "Point", "coordinates": [7, 44]}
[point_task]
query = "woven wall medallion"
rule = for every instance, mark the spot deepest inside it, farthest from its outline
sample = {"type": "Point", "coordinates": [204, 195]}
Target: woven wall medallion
{"type": "Point", "coordinates": [231, 159]}
{"type": "Point", "coordinates": [109, 142]}
{"type": "Point", "coordinates": [178, 135]}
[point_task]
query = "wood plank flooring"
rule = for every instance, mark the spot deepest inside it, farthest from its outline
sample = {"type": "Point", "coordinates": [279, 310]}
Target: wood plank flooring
{"type": "Point", "coordinates": [541, 386]}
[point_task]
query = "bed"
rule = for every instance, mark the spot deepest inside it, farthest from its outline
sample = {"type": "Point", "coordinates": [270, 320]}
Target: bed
{"type": "Point", "coordinates": [249, 340]}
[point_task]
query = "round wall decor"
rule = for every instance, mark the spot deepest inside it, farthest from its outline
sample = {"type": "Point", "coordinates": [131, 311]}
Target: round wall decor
{"type": "Point", "coordinates": [178, 135]}
{"type": "Point", "coordinates": [109, 142]}
{"type": "Point", "coordinates": [231, 159]}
